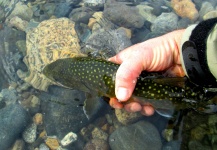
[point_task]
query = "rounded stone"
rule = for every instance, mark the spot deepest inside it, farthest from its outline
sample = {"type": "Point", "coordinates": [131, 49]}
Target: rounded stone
{"type": "Point", "coordinates": [209, 15]}
{"type": "Point", "coordinates": [29, 135]}
{"type": "Point", "coordinates": [125, 117]}
{"type": "Point", "coordinates": [96, 144]}
{"type": "Point", "coordinates": [140, 136]}
{"type": "Point", "coordinates": [51, 40]}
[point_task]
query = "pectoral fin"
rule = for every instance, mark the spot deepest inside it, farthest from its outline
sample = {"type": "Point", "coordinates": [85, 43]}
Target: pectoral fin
{"type": "Point", "coordinates": [163, 107]}
{"type": "Point", "coordinates": [93, 105]}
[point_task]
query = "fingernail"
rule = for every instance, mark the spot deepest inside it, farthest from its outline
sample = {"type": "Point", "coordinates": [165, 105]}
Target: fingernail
{"type": "Point", "coordinates": [122, 94]}
{"type": "Point", "coordinates": [132, 109]}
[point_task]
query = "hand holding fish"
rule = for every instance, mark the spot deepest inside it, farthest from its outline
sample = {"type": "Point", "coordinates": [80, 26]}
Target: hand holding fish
{"type": "Point", "coordinates": [157, 54]}
{"type": "Point", "coordinates": [128, 86]}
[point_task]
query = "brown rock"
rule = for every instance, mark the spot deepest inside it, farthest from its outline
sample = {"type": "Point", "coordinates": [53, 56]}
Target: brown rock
{"type": "Point", "coordinates": [96, 144]}
{"type": "Point", "coordinates": [185, 9]}
{"type": "Point", "coordinates": [99, 134]}
{"type": "Point", "coordinates": [18, 23]}
{"type": "Point", "coordinates": [52, 143]}
{"type": "Point", "coordinates": [105, 127]}
{"type": "Point", "coordinates": [128, 31]}
{"type": "Point", "coordinates": [91, 22]}
{"type": "Point", "coordinates": [43, 134]}
{"type": "Point", "coordinates": [18, 145]}
{"type": "Point", "coordinates": [111, 129]}
{"type": "Point", "coordinates": [38, 119]}
{"type": "Point", "coordinates": [51, 40]}
{"type": "Point", "coordinates": [125, 117]}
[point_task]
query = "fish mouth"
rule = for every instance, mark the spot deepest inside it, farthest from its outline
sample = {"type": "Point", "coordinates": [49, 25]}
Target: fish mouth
{"type": "Point", "coordinates": [45, 71]}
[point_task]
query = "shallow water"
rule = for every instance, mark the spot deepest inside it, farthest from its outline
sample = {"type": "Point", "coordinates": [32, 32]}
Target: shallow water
{"type": "Point", "coordinates": [33, 118]}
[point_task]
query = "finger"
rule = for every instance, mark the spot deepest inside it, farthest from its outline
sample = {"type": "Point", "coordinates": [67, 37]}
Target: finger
{"type": "Point", "coordinates": [147, 110]}
{"type": "Point", "coordinates": [118, 59]}
{"type": "Point", "coordinates": [126, 78]}
{"type": "Point", "coordinates": [127, 53]}
{"type": "Point", "coordinates": [115, 104]}
{"type": "Point", "coordinates": [133, 107]}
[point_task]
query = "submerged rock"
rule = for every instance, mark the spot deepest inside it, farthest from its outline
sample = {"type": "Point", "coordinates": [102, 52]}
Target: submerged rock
{"type": "Point", "coordinates": [29, 134]}
{"type": "Point", "coordinates": [125, 117]}
{"type": "Point", "coordinates": [197, 145]}
{"type": "Point", "coordinates": [62, 9]}
{"type": "Point", "coordinates": [8, 96]}
{"type": "Point", "coordinates": [183, 23]}
{"type": "Point", "coordinates": [140, 136]}
{"type": "Point", "coordinates": [172, 145]}
{"type": "Point", "coordinates": [82, 31]}
{"type": "Point", "coordinates": [99, 134]}
{"type": "Point", "coordinates": [123, 15]}
{"type": "Point", "coordinates": [18, 145]}
{"type": "Point", "coordinates": [205, 8]}
{"type": "Point", "coordinates": [51, 40]}
{"type": "Point", "coordinates": [106, 43]}
{"type": "Point", "coordinates": [164, 23]}
{"type": "Point", "coordinates": [209, 15]}
{"type": "Point", "coordinates": [18, 23]}
{"type": "Point", "coordinates": [14, 120]}
{"type": "Point", "coordinates": [81, 15]}
{"type": "Point", "coordinates": [22, 11]}
{"type": "Point", "coordinates": [185, 8]}
{"type": "Point", "coordinates": [7, 7]}
{"type": "Point", "coordinates": [159, 6]}
{"type": "Point", "coordinates": [63, 111]}
{"type": "Point", "coordinates": [69, 138]}
{"type": "Point", "coordinates": [94, 4]}
{"type": "Point", "coordinates": [146, 12]}
{"type": "Point", "coordinates": [96, 144]}
{"type": "Point", "coordinates": [10, 56]}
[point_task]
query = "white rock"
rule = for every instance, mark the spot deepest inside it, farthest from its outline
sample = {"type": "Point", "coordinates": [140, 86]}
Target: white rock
{"type": "Point", "coordinates": [69, 138]}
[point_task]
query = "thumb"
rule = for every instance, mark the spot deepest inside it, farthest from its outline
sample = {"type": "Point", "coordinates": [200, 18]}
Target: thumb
{"type": "Point", "coordinates": [132, 64]}
{"type": "Point", "coordinates": [126, 78]}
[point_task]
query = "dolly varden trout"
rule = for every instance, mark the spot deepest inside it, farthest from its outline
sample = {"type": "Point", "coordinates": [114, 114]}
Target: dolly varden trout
{"type": "Point", "coordinates": [97, 76]}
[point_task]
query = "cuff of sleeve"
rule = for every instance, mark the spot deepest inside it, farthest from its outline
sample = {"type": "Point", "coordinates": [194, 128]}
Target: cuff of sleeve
{"type": "Point", "coordinates": [185, 38]}
{"type": "Point", "coordinates": [194, 53]}
{"type": "Point", "coordinates": [212, 51]}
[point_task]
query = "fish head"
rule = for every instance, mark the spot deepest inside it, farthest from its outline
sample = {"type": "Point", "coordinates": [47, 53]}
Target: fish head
{"type": "Point", "coordinates": [61, 72]}
{"type": "Point", "coordinates": [52, 71]}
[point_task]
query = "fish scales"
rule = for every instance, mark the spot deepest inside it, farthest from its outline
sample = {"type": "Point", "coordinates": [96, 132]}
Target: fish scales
{"type": "Point", "coordinates": [98, 75]}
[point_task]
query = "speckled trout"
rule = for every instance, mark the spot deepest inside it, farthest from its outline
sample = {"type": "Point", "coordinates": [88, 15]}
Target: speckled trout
{"type": "Point", "coordinates": [98, 76]}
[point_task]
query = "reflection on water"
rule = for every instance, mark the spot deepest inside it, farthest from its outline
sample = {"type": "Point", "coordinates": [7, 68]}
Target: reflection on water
{"type": "Point", "coordinates": [36, 113]}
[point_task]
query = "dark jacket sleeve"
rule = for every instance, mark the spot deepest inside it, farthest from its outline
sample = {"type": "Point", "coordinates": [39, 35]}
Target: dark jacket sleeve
{"type": "Point", "coordinates": [199, 53]}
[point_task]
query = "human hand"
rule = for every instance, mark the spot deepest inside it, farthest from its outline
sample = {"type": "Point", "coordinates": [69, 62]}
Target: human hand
{"type": "Point", "coordinates": [157, 54]}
